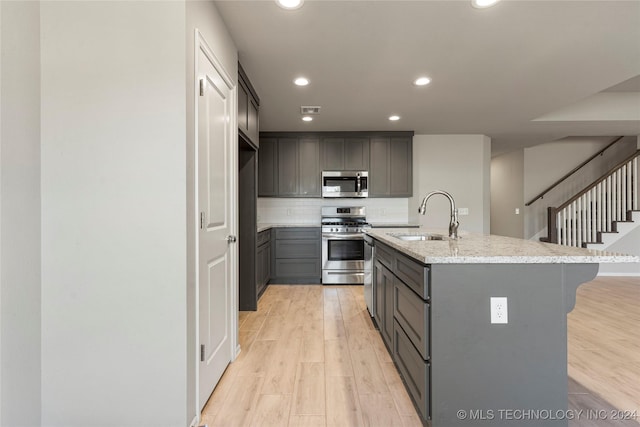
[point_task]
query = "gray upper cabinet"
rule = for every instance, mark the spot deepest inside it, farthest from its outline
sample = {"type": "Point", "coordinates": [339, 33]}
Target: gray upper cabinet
{"type": "Point", "coordinates": [248, 106]}
{"type": "Point", "coordinates": [288, 167]}
{"type": "Point", "coordinates": [268, 167]}
{"type": "Point", "coordinates": [290, 164]}
{"type": "Point", "coordinates": [333, 154]}
{"type": "Point", "coordinates": [356, 154]}
{"type": "Point", "coordinates": [309, 167]}
{"type": "Point", "coordinates": [391, 167]}
{"type": "Point", "coordinates": [379, 162]}
{"type": "Point", "coordinates": [345, 154]}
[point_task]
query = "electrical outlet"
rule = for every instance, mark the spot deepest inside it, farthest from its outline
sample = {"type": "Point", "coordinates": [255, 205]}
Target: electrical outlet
{"type": "Point", "coordinates": [517, 211]}
{"type": "Point", "coordinates": [463, 211]}
{"type": "Point", "coordinates": [499, 310]}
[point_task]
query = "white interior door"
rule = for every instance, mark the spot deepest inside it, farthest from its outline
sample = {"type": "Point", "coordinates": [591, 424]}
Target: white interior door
{"type": "Point", "coordinates": [214, 151]}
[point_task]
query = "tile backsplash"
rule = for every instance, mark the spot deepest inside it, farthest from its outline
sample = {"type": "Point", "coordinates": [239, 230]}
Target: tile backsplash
{"type": "Point", "coordinates": [307, 211]}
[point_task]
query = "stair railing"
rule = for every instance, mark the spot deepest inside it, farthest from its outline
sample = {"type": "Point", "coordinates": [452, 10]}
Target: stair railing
{"type": "Point", "coordinates": [574, 170]}
{"type": "Point", "coordinates": [582, 219]}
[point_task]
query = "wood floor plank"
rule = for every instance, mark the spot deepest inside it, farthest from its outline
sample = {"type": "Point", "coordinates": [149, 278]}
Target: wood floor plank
{"type": "Point", "coordinates": [307, 421]}
{"type": "Point", "coordinates": [604, 340]}
{"type": "Point", "coordinates": [254, 320]}
{"type": "Point", "coordinates": [337, 358]}
{"type": "Point", "coordinates": [272, 410]}
{"type": "Point", "coordinates": [309, 394]}
{"type": "Point", "coordinates": [257, 359]}
{"type": "Point", "coordinates": [343, 405]}
{"type": "Point", "coordinates": [271, 328]}
{"type": "Point", "coordinates": [281, 372]}
{"type": "Point", "coordinates": [334, 328]}
{"type": "Point", "coordinates": [312, 348]}
{"type": "Point", "coordinates": [239, 404]}
{"type": "Point", "coordinates": [368, 372]}
{"type": "Point", "coordinates": [403, 402]}
{"type": "Point", "coordinates": [378, 346]}
{"type": "Point", "coordinates": [378, 410]}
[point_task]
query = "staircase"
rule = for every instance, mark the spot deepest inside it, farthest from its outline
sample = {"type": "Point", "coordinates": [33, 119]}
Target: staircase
{"type": "Point", "coordinates": [600, 214]}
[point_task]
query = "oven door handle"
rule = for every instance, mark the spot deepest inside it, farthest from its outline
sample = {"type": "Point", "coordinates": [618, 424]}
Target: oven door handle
{"type": "Point", "coordinates": [342, 236]}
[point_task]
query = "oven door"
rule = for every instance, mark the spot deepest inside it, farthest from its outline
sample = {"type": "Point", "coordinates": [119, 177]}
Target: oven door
{"type": "Point", "coordinates": [342, 258]}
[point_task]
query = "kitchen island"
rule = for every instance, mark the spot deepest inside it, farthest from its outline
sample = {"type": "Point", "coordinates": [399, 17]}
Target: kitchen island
{"type": "Point", "coordinates": [462, 365]}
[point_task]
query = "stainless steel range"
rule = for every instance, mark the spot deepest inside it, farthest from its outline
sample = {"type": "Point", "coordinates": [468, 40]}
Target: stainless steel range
{"type": "Point", "coordinates": [343, 244]}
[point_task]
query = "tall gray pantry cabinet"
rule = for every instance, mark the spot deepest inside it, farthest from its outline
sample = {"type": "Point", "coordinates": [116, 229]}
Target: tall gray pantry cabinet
{"type": "Point", "coordinates": [248, 141]}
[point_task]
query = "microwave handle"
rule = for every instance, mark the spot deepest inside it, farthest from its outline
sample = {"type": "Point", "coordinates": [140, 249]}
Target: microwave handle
{"type": "Point", "coordinates": [358, 185]}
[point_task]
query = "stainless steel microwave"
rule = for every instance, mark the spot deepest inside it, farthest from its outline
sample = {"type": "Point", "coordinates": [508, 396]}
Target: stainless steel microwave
{"type": "Point", "coordinates": [345, 184]}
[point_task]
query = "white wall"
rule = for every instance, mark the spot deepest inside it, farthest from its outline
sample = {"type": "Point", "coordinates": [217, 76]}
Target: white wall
{"type": "Point", "coordinates": [460, 165]}
{"type": "Point", "coordinates": [20, 214]}
{"type": "Point", "coordinates": [113, 213]}
{"type": "Point", "coordinates": [507, 186]}
{"type": "Point", "coordinates": [204, 16]}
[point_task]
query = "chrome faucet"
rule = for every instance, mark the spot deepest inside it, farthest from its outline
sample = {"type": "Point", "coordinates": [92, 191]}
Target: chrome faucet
{"type": "Point", "coordinates": [453, 222]}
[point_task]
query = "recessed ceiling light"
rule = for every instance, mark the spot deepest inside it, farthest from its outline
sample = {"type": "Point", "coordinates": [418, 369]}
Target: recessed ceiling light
{"type": "Point", "coordinates": [307, 118]}
{"type": "Point", "coordinates": [394, 118]}
{"type": "Point", "coordinates": [422, 81]}
{"type": "Point", "coordinates": [290, 4]}
{"type": "Point", "coordinates": [301, 81]}
{"type": "Point", "coordinates": [481, 4]}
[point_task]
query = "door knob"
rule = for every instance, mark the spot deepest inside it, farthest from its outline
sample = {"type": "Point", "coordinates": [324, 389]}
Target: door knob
{"type": "Point", "coordinates": [231, 239]}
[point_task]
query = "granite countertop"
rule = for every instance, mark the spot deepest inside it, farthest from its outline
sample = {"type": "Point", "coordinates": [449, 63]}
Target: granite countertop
{"type": "Point", "coordinates": [263, 226]}
{"type": "Point", "coordinates": [473, 248]}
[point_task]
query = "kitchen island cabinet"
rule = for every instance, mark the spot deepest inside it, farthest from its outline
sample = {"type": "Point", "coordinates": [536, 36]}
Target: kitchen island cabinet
{"type": "Point", "coordinates": [458, 367]}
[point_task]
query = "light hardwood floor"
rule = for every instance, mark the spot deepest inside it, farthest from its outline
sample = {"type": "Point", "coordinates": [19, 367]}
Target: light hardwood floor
{"type": "Point", "coordinates": [604, 340]}
{"type": "Point", "coordinates": [312, 357]}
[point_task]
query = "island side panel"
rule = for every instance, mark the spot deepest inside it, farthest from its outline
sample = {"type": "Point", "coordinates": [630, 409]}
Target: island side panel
{"type": "Point", "coordinates": [489, 369]}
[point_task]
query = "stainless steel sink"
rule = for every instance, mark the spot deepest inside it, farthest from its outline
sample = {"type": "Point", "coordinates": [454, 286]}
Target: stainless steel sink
{"type": "Point", "coordinates": [412, 237]}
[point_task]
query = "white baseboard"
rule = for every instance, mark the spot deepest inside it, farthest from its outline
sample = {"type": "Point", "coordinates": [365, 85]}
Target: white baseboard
{"type": "Point", "coordinates": [195, 421]}
{"type": "Point", "coordinates": [607, 274]}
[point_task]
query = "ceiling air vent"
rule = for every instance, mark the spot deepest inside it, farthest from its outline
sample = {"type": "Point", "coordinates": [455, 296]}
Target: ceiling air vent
{"type": "Point", "coordinates": [306, 110]}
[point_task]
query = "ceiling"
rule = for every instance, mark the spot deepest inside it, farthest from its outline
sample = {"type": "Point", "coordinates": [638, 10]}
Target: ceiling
{"type": "Point", "coordinates": [521, 72]}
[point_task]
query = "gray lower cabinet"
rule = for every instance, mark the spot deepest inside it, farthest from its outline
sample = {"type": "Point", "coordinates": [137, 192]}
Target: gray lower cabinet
{"type": "Point", "coordinates": [402, 291]}
{"type": "Point", "coordinates": [297, 255]}
{"type": "Point", "coordinates": [263, 261]}
{"type": "Point", "coordinates": [384, 302]}
{"type": "Point", "coordinates": [414, 370]}
{"type": "Point", "coordinates": [391, 167]}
